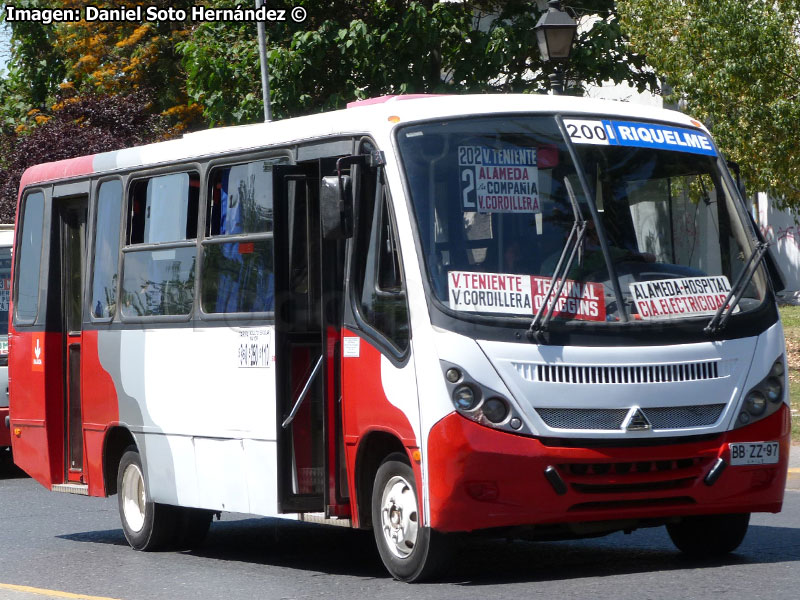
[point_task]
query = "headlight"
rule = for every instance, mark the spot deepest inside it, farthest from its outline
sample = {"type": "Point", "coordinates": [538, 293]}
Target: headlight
{"type": "Point", "coordinates": [453, 375]}
{"type": "Point", "coordinates": [777, 369]}
{"type": "Point", "coordinates": [465, 398]}
{"type": "Point", "coordinates": [480, 403]}
{"type": "Point", "coordinates": [495, 410]}
{"type": "Point", "coordinates": [755, 403]}
{"type": "Point", "coordinates": [764, 398]}
{"type": "Point", "coordinates": [773, 389]}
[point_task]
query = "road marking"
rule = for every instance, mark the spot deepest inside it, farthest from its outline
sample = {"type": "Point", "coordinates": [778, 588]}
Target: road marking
{"type": "Point", "coordinates": [51, 593]}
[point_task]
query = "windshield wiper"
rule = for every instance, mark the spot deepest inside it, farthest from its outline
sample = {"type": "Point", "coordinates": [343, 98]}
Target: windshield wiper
{"type": "Point", "coordinates": [725, 310]}
{"type": "Point", "coordinates": [573, 244]}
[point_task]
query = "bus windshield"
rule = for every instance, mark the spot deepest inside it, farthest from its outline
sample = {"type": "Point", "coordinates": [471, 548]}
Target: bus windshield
{"type": "Point", "coordinates": [496, 199]}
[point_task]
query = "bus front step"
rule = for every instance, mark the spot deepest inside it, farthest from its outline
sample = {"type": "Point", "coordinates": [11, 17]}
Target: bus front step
{"type": "Point", "coordinates": [71, 488]}
{"type": "Point", "coordinates": [320, 518]}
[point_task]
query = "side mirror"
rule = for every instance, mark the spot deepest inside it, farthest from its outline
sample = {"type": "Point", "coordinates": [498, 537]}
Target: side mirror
{"type": "Point", "coordinates": [336, 207]}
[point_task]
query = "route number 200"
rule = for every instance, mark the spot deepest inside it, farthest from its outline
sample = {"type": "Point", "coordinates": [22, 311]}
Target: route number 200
{"type": "Point", "coordinates": [586, 131]}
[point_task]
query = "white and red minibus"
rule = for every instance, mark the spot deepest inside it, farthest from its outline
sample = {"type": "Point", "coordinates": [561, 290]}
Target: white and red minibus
{"type": "Point", "coordinates": [541, 316]}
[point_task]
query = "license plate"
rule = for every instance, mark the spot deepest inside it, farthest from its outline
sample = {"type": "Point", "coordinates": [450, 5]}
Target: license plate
{"type": "Point", "coordinates": [754, 453]}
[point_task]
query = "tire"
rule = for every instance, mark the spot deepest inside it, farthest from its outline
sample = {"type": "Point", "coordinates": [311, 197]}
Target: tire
{"type": "Point", "coordinates": [409, 551]}
{"type": "Point", "coordinates": [147, 525]}
{"type": "Point", "coordinates": [709, 535]}
{"type": "Point", "coordinates": [192, 526]}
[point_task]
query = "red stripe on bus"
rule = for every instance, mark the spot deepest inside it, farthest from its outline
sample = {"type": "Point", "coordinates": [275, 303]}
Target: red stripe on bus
{"type": "Point", "coordinates": [71, 167]}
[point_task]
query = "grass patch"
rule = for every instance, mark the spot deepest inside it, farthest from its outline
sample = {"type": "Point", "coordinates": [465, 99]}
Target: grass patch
{"type": "Point", "coordinates": [790, 315]}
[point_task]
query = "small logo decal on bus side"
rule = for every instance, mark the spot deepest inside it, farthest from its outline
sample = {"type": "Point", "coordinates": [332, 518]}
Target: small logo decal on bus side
{"type": "Point", "coordinates": [351, 347]}
{"type": "Point", "coordinates": [254, 349]}
{"type": "Point", "coordinates": [38, 354]}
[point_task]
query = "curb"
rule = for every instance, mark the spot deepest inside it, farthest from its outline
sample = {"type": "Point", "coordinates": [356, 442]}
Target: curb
{"type": "Point", "coordinates": [793, 479]}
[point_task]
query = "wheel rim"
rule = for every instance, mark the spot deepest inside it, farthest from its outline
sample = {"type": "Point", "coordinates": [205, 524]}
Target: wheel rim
{"type": "Point", "coordinates": [134, 498]}
{"type": "Point", "coordinates": [399, 516]}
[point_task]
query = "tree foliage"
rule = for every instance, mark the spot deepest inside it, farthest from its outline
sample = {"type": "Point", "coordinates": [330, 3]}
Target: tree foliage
{"type": "Point", "coordinates": [375, 47]}
{"type": "Point", "coordinates": [98, 57]}
{"type": "Point", "coordinates": [736, 66]}
{"type": "Point", "coordinates": [182, 70]}
{"type": "Point", "coordinates": [87, 124]}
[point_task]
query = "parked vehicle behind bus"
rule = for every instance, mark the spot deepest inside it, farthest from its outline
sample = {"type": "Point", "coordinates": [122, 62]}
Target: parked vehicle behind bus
{"type": "Point", "coordinates": [6, 242]}
{"type": "Point", "coordinates": [529, 315]}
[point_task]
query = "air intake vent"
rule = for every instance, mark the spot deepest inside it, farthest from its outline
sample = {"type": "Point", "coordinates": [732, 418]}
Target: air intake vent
{"type": "Point", "coordinates": [609, 419]}
{"type": "Point", "coordinates": [583, 418]}
{"type": "Point", "coordinates": [663, 373]}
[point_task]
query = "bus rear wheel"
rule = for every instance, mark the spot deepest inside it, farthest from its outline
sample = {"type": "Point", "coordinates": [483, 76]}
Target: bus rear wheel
{"type": "Point", "coordinates": [147, 525]}
{"type": "Point", "coordinates": [409, 551]}
{"type": "Point", "coordinates": [709, 535]}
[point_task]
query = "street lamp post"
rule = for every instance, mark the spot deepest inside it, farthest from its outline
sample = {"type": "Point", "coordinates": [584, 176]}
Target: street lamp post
{"type": "Point", "coordinates": [555, 33]}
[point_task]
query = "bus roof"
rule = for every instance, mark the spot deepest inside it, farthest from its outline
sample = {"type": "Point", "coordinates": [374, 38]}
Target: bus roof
{"type": "Point", "coordinates": [363, 117]}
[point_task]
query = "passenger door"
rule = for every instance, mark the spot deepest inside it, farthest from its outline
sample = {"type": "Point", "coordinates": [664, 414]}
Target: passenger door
{"type": "Point", "coordinates": [71, 218]}
{"type": "Point", "coordinates": [299, 348]}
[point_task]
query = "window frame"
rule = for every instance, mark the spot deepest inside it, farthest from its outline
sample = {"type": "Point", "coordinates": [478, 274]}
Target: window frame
{"type": "Point", "coordinates": [386, 345]}
{"type": "Point", "coordinates": [94, 207]}
{"type": "Point", "coordinates": [190, 168]}
{"type": "Point", "coordinates": [17, 256]}
{"type": "Point", "coordinates": [205, 239]}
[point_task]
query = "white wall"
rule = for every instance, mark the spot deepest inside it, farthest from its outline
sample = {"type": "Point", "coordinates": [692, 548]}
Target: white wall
{"type": "Point", "coordinates": [782, 230]}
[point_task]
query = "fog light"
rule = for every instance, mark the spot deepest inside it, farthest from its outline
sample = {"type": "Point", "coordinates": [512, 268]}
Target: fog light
{"type": "Point", "coordinates": [495, 410]}
{"type": "Point", "coordinates": [515, 423]}
{"type": "Point", "coordinates": [755, 403]}
{"type": "Point", "coordinates": [464, 398]}
{"type": "Point", "coordinates": [483, 491]}
{"type": "Point", "coordinates": [744, 418]}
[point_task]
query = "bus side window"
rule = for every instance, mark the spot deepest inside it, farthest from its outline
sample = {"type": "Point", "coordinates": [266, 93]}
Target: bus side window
{"type": "Point", "coordinates": [26, 303]}
{"type": "Point", "coordinates": [159, 281]}
{"type": "Point", "coordinates": [381, 293]}
{"type": "Point", "coordinates": [106, 249]}
{"type": "Point", "coordinates": [238, 276]}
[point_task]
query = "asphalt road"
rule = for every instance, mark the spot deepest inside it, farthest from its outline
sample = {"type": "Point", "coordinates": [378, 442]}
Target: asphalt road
{"type": "Point", "coordinates": [59, 544]}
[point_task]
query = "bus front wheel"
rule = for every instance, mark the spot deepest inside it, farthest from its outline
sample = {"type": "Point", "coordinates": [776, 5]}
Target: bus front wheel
{"type": "Point", "coordinates": [409, 551]}
{"type": "Point", "coordinates": [147, 525]}
{"type": "Point", "coordinates": [709, 535]}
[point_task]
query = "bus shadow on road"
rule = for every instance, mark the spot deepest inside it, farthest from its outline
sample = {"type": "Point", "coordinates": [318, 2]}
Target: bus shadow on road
{"type": "Point", "coordinates": [276, 542]}
{"type": "Point", "coordinates": [617, 554]}
{"type": "Point", "coordinates": [477, 561]}
{"type": "Point", "coordinates": [8, 470]}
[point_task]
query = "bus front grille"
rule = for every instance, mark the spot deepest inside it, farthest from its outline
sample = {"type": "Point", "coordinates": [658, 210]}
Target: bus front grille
{"type": "Point", "coordinates": [623, 374]}
{"type": "Point", "coordinates": [609, 419]}
{"type": "Point", "coordinates": [630, 478]}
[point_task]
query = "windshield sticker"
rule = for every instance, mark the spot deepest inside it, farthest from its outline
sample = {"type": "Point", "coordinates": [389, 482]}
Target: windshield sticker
{"type": "Point", "coordinates": [499, 180]}
{"type": "Point", "coordinates": [639, 135]}
{"type": "Point", "coordinates": [675, 298]}
{"type": "Point", "coordinates": [581, 301]}
{"type": "Point", "coordinates": [490, 292]}
{"type": "Point", "coordinates": [523, 295]}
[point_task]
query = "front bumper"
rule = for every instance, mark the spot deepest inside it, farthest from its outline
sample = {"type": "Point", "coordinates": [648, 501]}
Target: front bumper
{"type": "Point", "coordinates": [482, 478]}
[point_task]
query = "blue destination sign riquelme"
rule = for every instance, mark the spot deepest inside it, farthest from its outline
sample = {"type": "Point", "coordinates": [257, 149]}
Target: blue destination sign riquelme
{"type": "Point", "coordinates": [607, 132]}
{"type": "Point", "coordinates": [663, 137]}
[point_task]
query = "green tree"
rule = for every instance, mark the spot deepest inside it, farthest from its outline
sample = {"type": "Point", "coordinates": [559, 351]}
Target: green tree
{"type": "Point", "coordinates": [736, 66]}
{"type": "Point", "coordinates": [372, 47]}
{"type": "Point", "coordinates": [86, 124]}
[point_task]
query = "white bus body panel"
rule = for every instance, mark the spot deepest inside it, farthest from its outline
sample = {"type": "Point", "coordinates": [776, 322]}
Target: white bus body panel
{"type": "Point", "coordinates": [207, 440]}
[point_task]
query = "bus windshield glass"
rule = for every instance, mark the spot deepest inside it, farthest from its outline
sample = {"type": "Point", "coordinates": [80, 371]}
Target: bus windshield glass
{"type": "Point", "coordinates": [495, 200]}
